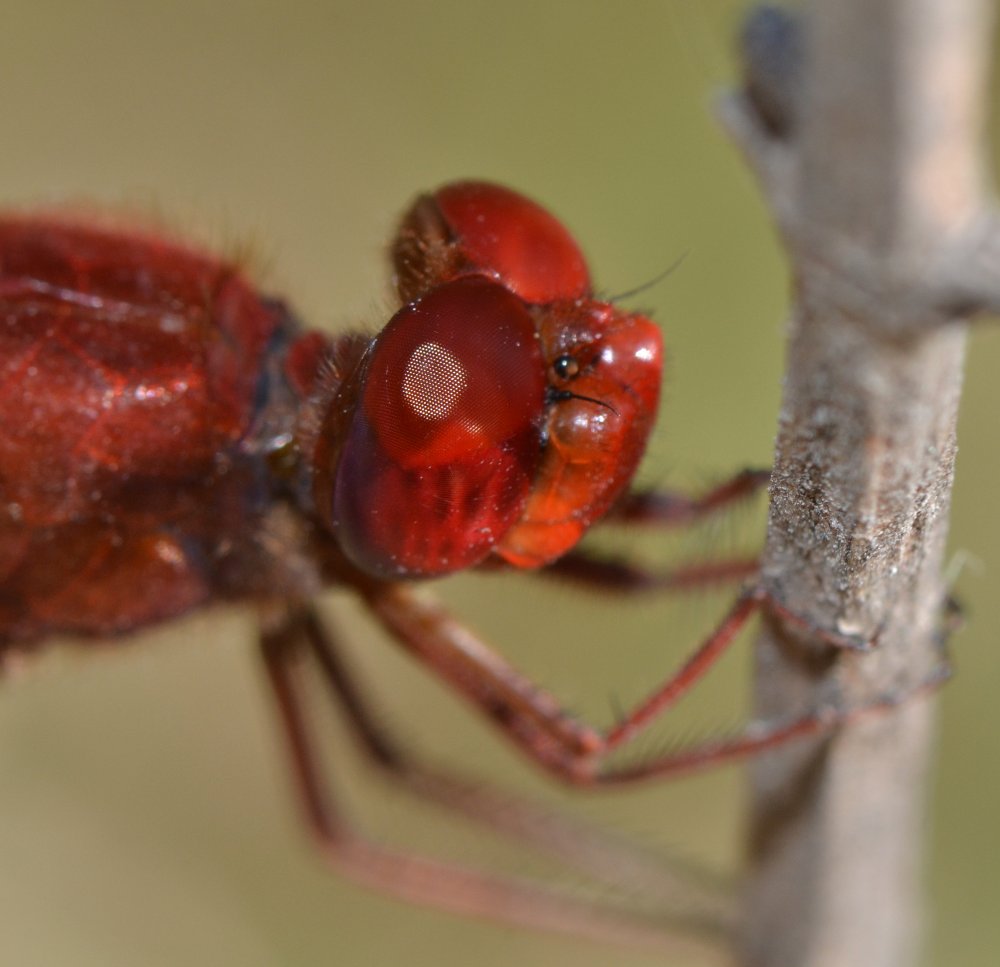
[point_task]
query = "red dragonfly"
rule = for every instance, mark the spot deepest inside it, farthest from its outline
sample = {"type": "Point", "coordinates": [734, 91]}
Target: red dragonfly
{"type": "Point", "coordinates": [171, 438]}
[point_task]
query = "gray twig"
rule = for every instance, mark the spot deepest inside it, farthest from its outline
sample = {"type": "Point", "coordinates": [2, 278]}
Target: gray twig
{"type": "Point", "coordinates": [863, 121]}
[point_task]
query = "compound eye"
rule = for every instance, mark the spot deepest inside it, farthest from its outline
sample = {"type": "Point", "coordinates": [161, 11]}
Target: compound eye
{"type": "Point", "coordinates": [530, 250]}
{"type": "Point", "coordinates": [474, 227]}
{"type": "Point", "coordinates": [442, 449]}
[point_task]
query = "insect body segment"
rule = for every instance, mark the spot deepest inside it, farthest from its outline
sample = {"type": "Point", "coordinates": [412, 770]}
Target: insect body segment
{"type": "Point", "coordinates": [122, 358]}
{"type": "Point", "coordinates": [129, 368]}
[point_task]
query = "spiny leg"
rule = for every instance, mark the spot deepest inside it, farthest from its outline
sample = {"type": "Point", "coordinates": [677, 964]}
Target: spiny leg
{"type": "Point", "coordinates": [420, 879]}
{"type": "Point", "coordinates": [660, 508]}
{"type": "Point", "coordinates": [706, 902]}
{"type": "Point", "coordinates": [575, 751]}
{"type": "Point", "coordinates": [618, 575]}
{"type": "Point", "coordinates": [622, 576]}
{"type": "Point", "coordinates": [532, 717]}
{"type": "Point", "coordinates": [667, 508]}
{"type": "Point", "coordinates": [758, 738]}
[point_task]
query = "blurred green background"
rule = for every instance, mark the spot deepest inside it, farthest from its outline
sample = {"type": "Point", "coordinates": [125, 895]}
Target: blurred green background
{"type": "Point", "coordinates": [144, 816]}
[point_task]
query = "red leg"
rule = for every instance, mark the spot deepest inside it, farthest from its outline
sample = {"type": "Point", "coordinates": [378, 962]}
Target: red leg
{"type": "Point", "coordinates": [575, 751]}
{"type": "Point", "coordinates": [530, 716]}
{"type": "Point", "coordinates": [621, 576]}
{"type": "Point", "coordinates": [760, 738]}
{"type": "Point", "coordinates": [420, 879]}
{"type": "Point", "coordinates": [626, 866]}
{"type": "Point", "coordinates": [668, 509]}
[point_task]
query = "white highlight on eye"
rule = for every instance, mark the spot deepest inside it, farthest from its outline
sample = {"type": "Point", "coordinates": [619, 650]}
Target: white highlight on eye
{"type": "Point", "coordinates": [433, 381]}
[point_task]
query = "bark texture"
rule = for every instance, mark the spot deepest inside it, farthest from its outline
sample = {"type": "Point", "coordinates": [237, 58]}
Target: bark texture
{"type": "Point", "coordinates": [863, 120]}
